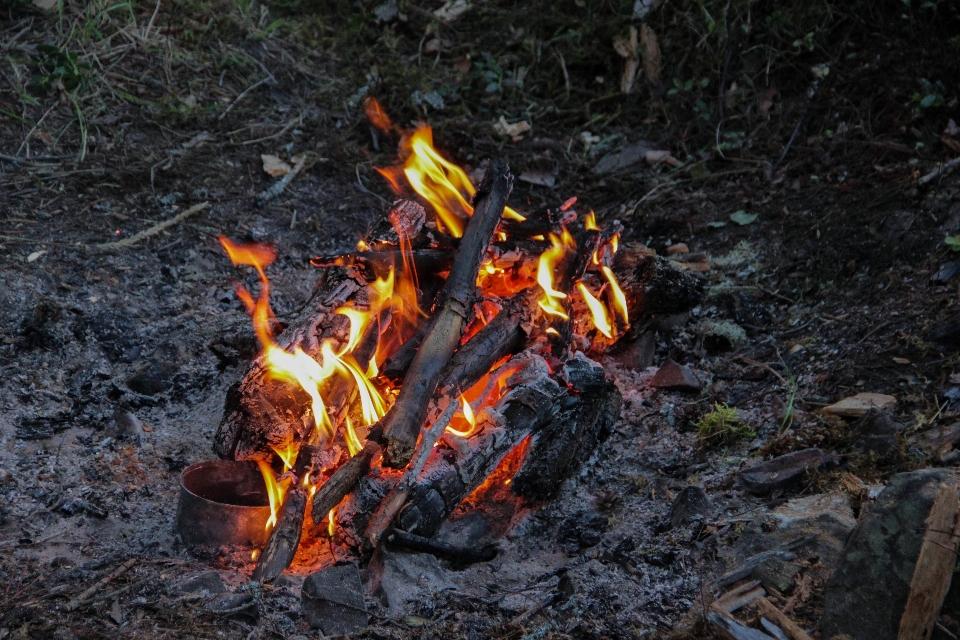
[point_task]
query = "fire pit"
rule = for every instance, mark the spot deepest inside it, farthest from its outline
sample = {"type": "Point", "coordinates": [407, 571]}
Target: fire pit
{"type": "Point", "coordinates": [451, 360]}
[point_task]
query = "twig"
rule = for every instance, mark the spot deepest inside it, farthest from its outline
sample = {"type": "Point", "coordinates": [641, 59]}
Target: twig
{"type": "Point", "coordinates": [152, 231]}
{"type": "Point", "coordinates": [146, 32]}
{"type": "Point", "coordinates": [941, 169]}
{"type": "Point", "coordinates": [364, 189]}
{"type": "Point", "coordinates": [563, 67]}
{"type": "Point", "coordinates": [242, 95]}
{"type": "Point", "coordinates": [83, 597]}
{"type": "Point", "coordinates": [269, 194]}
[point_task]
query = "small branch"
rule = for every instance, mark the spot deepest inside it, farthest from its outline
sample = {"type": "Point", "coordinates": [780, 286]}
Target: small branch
{"type": "Point", "coordinates": [152, 231]}
{"type": "Point", "coordinates": [269, 194]}
{"type": "Point", "coordinates": [81, 599]}
{"type": "Point", "coordinates": [343, 481]}
{"type": "Point", "coordinates": [941, 169]}
{"type": "Point", "coordinates": [242, 95]}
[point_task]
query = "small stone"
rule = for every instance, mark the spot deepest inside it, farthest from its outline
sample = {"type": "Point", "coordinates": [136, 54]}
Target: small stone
{"type": "Point", "coordinates": [207, 583]}
{"type": "Point", "coordinates": [947, 272]}
{"type": "Point", "coordinates": [877, 432]}
{"type": "Point", "coordinates": [858, 405]}
{"type": "Point", "coordinates": [690, 503]}
{"type": "Point", "coordinates": [779, 473]}
{"type": "Point", "coordinates": [332, 600]}
{"type": "Point", "coordinates": [680, 247]}
{"type": "Point", "coordinates": [674, 377]}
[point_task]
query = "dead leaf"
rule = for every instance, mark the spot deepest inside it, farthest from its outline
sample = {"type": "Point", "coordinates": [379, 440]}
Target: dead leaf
{"type": "Point", "coordinates": [46, 5]}
{"type": "Point", "coordinates": [655, 156]}
{"type": "Point", "coordinates": [955, 378]}
{"type": "Point", "coordinates": [766, 100]}
{"type": "Point", "coordinates": [33, 257]}
{"type": "Point", "coordinates": [274, 166]}
{"type": "Point", "coordinates": [641, 8]}
{"type": "Point", "coordinates": [627, 47]}
{"type": "Point", "coordinates": [542, 178]}
{"type": "Point", "coordinates": [651, 54]}
{"type": "Point", "coordinates": [901, 361]}
{"type": "Point", "coordinates": [452, 9]}
{"type": "Point", "coordinates": [952, 129]}
{"type": "Point", "coordinates": [146, 427]}
{"type": "Point", "coordinates": [515, 130]}
{"type": "Point", "coordinates": [197, 140]}
{"type": "Point", "coordinates": [856, 406]}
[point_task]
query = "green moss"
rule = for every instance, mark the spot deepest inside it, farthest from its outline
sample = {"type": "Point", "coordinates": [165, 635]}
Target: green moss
{"type": "Point", "coordinates": [723, 424]}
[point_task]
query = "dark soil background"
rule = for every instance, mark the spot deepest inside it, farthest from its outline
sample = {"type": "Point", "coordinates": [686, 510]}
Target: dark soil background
{"type": "Point", "coordinates": [819, 119]}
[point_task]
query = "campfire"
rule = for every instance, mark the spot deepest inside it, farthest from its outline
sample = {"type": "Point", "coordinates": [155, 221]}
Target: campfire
{"type": "Point", "coordinates": [450, 359]}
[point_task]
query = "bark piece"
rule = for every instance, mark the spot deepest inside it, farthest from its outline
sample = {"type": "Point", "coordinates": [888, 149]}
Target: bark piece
{"type": "Point", "coordinates": [401, 425]}
{"type": "Point", "coordinates": [332, 600]}
{"type": "Point", "coordinates": [780, 472]}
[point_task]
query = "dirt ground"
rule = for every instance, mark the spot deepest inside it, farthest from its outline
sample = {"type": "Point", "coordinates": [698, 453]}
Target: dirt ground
{"type": "Point", "coordinates": [799, 141]}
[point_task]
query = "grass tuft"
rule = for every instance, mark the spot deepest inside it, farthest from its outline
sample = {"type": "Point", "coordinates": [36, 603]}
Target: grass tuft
{"type": "Point", "coordinates": [723, 425]}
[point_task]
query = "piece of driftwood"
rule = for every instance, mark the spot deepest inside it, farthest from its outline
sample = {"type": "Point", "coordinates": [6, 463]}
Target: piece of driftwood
{"type": "Point", "coordinates": [459, 555]}
{"type": "Point", "coordinates": [934, 568]}
{"type": "Point", "coordinates": [284, 539]}
{"type": "Point", "coordinates": [768, 610]}
{"type": "Point", "coordinates": [401, 425]}
{"type": "Point", "coordinates": [559, 449]}
{"type": "Point", "coordinates": [449, 477]}
{"type": "Point", "coordinates": [262, 412]}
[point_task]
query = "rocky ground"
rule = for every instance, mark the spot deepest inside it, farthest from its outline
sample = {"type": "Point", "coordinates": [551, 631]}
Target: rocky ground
{"type": "Point", "coordinates": [799, 197]}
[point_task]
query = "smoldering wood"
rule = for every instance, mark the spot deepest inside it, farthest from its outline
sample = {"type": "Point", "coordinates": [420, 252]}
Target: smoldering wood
{"type": "Point", "coordinates": [401, 425]}
{"type": "Point", "coordinates": [448, 478]}
{"type": "Point", "coordinates": [261, 411]}
{"type": "Point", "coordinates": [284, 539]}
{"type": "Point", "coordinates": [653, 286]}
{"type": "Point", "coordinates": [459, 555]}
{"type": "Point", "coordinates": [560, 448]}
{"type": "Point", "coordinates": [537, 224]}
{"type": "Point", "coordinates": [343, 480]}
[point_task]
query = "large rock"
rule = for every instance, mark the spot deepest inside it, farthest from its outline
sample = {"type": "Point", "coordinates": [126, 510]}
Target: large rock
{"type": "Point", "coordinates": [867, 594]}
{"type": "Point", "coordinates": [332, 600]}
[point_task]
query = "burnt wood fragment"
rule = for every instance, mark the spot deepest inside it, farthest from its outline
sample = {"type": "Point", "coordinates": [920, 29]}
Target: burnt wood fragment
{"type": "Point", "coordinates": [284, 539]}
{"type": "Point", "coordinates": [458, 555]}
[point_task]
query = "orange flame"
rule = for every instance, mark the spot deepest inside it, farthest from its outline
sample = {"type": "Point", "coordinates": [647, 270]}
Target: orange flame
{"type": "Point", "coordinates": [619, 299]}
{"type": "Point", "coordinates": [376, 114]}
{"type": "Point", "coordinates": [350, 435]}
{"type": "Point", "coordinates": [438, 181]}
{"type": "Point", "coordinates": [275, 491]}
{"type": "Point", "coordinates": [590, 222]}
{"type": "Point", "coordinates": [330, 522]}
{"type": "Point", "coordinates": [601, 319]}
{"type": "Point", "coordinates": [471, 420]}
{"type": "Point", "coordinates": [288, 454]}
{"type": "Point", "coordinates": [550, 303]}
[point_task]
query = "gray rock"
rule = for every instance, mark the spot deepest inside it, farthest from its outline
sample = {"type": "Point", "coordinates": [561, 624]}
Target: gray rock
{"type": "Point", "coordinates": [779, 473]}
{"type": "Point", "coordinates": [407, 577]}
{"type": "Point", "coordinates": [674, 377]}
{"type": "Point", "coordinates": [690, 503]}
{"type": "Point", "coordinates": [877, 433]}
{"type": "Point", "coordinates": [332, 600]}
{"type": "Point", "coordinates": [868, 591]}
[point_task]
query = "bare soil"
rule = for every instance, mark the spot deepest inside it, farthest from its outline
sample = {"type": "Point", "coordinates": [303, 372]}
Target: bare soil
{"type": "Point", "coordinates": [136, 112]}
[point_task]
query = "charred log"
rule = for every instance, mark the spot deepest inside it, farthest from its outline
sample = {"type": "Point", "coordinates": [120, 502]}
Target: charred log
{"type": "Point", "coordinates": [654, 286]}
{"type": "Point", "coordinates": [284, 538]}
{"type": "Point", "coordinates": [559, 449]}
{"type": "Point", "coordinates": [450, 476]}
{"type": "Point", "coordinates": [457, 555]}
{"type": "Point", "coordinates": [402, 423]}
{"type": "Point", "coordinates": [343, 481]}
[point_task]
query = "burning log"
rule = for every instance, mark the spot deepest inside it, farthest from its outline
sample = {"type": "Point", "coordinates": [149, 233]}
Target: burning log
{"type": "Point", "coordinates": [402, 423]}
{"type": "Point", "coordinates": [284, 538]}
{"type": "Point", "coordinates": [263, 412]}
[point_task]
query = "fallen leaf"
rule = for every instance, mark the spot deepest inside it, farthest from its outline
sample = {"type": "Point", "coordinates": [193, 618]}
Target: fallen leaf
{"type": "Point", "coordinates": [656, 156]}
{"type": "Point", "coordinates": [743, 218]}
{"type": "Point", "coordinates": [651, 54]}
{"type": "Point", "coordinates": [542, 178]}
{"type": "Point", "coordinates": [856, 406]}
{"type": "Point", "coordinates": [716, 224]}
{"type": "Point", "coordinates": [515, 131]}
{"type": "Point", "coordinates": [955, 378]}
{"type": "Point", "coordinates": [679, 247]}
{"type": "Point", "coordinates": [627, 47]}
{"type": "Point", "coordinates": [45, 4]}
{"type": "Point", "coordinates": [33, 257]}
{"type": "Point", "coordinates": [386, 11]}
{"type": "Point", "coordinates": [901, 361]}
{"type": "Point", "coordinates": [952, 129]}
{"type": "Point", "coordinates": [626, 157]}
{"type": "Point", "coordinates": [452, 9]}
{"type": "Point", "coordinates": [146, 427]}
{"type": "Point", "coordinates": [766, 100]}
{"type": "Point", "coordinates": [820, 71]}
{"type": "Point", "coordinates": [274, 166]}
